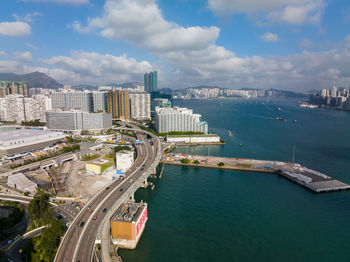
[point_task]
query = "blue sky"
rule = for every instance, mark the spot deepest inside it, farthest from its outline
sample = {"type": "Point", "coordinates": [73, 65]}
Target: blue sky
{"type": "Point", "coordinates": [287, 44]}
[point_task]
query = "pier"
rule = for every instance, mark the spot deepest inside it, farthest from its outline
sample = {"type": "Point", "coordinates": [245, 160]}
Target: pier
{"type": "Point", "coordinates": [308, 178]}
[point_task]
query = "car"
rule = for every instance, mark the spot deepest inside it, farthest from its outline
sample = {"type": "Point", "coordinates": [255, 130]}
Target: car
{"type": "Point", "coordinates": [121, 189]}
{"type": "Point", "coordinates": [82, 223]}
{"type": "Point", "coordinates": [94, 218]}
{"type": "Point", "coordinates": [107, 188]}
{"type": "Point", "coordinates": [91, 211]}
{"type": "Point", "coordinates": [104, 210]}
{"type": "Point", "coordinates": [89, 206]}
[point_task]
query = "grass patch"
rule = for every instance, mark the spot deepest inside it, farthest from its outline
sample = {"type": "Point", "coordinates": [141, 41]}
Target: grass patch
{"type": "Point", "coordinates": [244, 165]}
{"type": "Point", "coordinates": [90, 157]}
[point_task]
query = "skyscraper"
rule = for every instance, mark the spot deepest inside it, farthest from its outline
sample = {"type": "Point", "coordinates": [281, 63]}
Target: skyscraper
{"type": "Point", "coordinates": [13, 88]}
{"type": "Point", "coordinates": [150, 81]}
{"type": "Point", "coordinates": [334, 91]}
{"type": "Point", "coordinates": [140, 106]}
{"type": "Point", "coordinates": [118, 105]}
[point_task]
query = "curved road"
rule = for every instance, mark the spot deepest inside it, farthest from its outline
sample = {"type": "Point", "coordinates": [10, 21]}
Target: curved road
{"type": "Point", "coordinates": [79, 240]}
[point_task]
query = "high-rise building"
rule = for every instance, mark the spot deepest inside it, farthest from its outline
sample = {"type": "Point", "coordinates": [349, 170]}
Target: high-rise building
{"type": "Point", "coordinates": [75, 120]}
{"type": "Point", "coordinates": [334, 91]}
{"type": "Point", "coordinates": [179, 119]}
{"type": "Point", "coordinates": [160, 102]}
{"type": "Point", "coordinates": [140, 106]}
{"type": "Point", "coordinates": [324, 92]}
{"type": "Point", "coordinates": [13, 88]}
{"type": "Point", "coordinates": [19, 108]}
{"type": "Point", "coordinates": [100, 101]}
{"type": "Point", "coordinates": [118, 105]}
{"type": "Point", "coordinates": [150, 82]}
{"type": "Point", "coordinates": [73, 100]}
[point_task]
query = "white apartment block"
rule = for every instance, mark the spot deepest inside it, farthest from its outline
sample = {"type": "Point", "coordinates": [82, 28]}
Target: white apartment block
{"type": "Point", "coordinates": [140, 106]}
{"type": "Point", "coordinates": [79, 100]}
{"type": "Point", "coordinates": [18, 108]}
{"type": "Point", "coordinates": [179, 119]}
{"type": "Point", "coordinates": [100, 101]}
{"type": "Point", "coordinates": [74, 120]}
{"type": "Point", "coordinates": [73, 100]}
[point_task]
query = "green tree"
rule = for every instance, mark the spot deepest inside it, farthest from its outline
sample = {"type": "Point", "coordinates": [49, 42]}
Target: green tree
{"type": "Point", "coordinates": [221, 164]}
{"type": "Point", "coordinates": [39, 210]}
{"type": "Point", "coordinates": [120, 148]}
{"type": "Point", "coordinates": [185, 161]}
{"type": "Point", "coordinates": [196, 162]}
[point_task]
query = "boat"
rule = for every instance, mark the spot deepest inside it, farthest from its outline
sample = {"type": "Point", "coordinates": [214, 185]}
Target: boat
{"type": "Point", "coordinates": [295, 120]}
{"type": "Point", "coordinates": [240, 145]}
{"type": "Point", "coordinates": [281, 119]}
{"type": "Point", "coordinates": [229, 133]}
{"type": "Point", "coordinates": [278, 108]}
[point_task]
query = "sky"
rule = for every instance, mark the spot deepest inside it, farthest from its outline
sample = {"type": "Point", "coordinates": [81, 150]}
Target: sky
{"type": "Point", "coordinates": [295, 45]}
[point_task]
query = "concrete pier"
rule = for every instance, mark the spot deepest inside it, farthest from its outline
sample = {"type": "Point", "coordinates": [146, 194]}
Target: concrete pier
{"type": "Point", "coordinates": [308, 178]}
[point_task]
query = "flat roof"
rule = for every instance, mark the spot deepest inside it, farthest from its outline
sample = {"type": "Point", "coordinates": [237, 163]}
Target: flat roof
{"type": "Point", "coordinates": [129, 212]}
{"type": "Point", "coordinates": [21, 136]}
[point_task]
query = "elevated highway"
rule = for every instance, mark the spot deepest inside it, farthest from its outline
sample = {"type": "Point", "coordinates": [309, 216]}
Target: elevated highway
{"type": "Point", "coordinates": [78, 242]}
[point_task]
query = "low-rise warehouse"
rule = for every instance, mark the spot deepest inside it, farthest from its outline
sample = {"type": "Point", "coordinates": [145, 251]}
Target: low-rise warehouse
{"type": "Point", "coordinates": [27, 140]}
{"type": "Point", "coordinates": [21, 182]}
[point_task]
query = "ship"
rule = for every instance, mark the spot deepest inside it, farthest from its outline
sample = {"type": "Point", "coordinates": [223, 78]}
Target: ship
{"type": "Point", "coordinates": [281, 119]}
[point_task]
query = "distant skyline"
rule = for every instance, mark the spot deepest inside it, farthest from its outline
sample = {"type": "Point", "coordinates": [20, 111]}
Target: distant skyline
{"type": "Point", "coordinates": [285, 44]}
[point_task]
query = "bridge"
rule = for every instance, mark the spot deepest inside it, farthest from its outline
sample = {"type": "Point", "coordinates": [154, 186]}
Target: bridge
{"type": "Point", "coordinates": [79, 240]}
{"type": "Point", "coordinates": [66, 212]}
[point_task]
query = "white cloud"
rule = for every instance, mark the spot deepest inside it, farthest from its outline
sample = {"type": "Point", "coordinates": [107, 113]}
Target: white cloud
{"type": "Point", "coordinates": [97, 68]}
{"type": "Point", "coordinates": [28, 18]}
{"type": "Point", "coordinates": [283, 11]}
{"type": "Point", "coordinates": [227, 7]}
{"type": "Point", "coordinates": [141, 23]}
{"type": "Point", "coordinates": [270, 37]}
{"type": "Point", "coordinates": [74, 2]}
{"type": "Point", "coordinates": [196, 59]}
{"type": "Point", "coordinates": [29, 45]}
{"type": "Point", "coordinates": [84, 68]}
{"type": "Point", "coordinates": [306, 44]}
{"type": "Point", "coordinates": [14, 28]}
{"type": "Point", "coordinates": [23, 56]}
{"type": "Point", "coordinates": [2, 53]}
{"type": "Point", "coordinates": [298, 14]}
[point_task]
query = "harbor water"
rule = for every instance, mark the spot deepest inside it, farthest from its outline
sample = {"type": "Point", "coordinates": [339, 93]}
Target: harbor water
{"type": "Point", "coordinates": [198, 214]}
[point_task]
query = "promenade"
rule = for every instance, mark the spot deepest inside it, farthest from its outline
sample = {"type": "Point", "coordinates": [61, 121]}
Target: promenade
{"type": "Point", "coordinates": [306, 177]}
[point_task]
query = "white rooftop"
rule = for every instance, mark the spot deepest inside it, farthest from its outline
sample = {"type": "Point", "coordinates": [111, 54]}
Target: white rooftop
{"type": "Point", "coordinates": [19, 137]}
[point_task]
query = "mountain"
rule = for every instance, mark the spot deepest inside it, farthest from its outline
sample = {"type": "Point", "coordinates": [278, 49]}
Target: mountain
{"type": "Point", "coordinates": [126, 85]}
{"type": "Point", "coordinates": [35, 79]}
{"type": "Point", "coordinates": [84, 87]}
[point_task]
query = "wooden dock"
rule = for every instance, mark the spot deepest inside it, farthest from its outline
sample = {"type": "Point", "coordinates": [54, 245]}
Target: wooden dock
{"type": "Point", "coordinates": [308, 178]}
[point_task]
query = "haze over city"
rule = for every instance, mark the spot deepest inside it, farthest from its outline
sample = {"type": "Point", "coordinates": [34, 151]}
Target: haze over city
{"type": "Point", "coordinates": [289, 44]}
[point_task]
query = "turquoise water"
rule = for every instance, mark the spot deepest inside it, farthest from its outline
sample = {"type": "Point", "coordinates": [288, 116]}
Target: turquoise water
{"type": "Point", "coordinates": [198, 214]}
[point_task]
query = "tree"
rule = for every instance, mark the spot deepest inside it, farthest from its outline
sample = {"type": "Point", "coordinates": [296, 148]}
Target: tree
{"type": "Point", "coordinates": [185, 161]}
{"type": "Point", "coordinates": [39, 209]}
{"type": "Point", "coordinates": [221, 164]}
{"type": "Point", "coordinates": [196, 162]}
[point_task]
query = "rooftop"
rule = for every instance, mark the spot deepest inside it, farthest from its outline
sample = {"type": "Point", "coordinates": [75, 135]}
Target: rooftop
{"type": "Point", "coordinates": [129, 212]}
{"type": "Point", "coordinates": [21, 136]}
